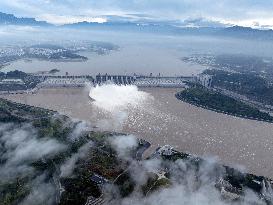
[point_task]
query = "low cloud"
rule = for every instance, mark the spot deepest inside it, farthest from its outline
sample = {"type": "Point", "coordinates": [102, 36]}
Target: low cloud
{"type": "Point", "coordinates": [67, 10]}
{"type": "Point", "coordinates": [60, 20]}
{"type": "Point", "coordinates": [26, 160]}
{"type": "Point", "coordinates": [79, 129]}
{"type": "Point", "coordinates": [116, 102]}
{"type": "Point", "coordinates": [188, 186]}
{"type": "Point", "coordinates": [117, 97]}
{"type": "Point", "coordinates": [191, 182]}
{"type": "Point", "coordinates": [22, 147]}
{"type": "Point", "coordinates": [69, 165]}
{"type": "Point", "coordinates": [41, 192]}
{"type": "Point", "coordinates": [124, 144]}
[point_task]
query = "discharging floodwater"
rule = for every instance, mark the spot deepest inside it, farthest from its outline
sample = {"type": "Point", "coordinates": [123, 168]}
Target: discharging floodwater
{"type": "Point", "coordinates": [166, 120]}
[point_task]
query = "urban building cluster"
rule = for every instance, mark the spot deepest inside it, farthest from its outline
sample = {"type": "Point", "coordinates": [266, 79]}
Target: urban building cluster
{"type": "Point", "coordinates": [204, 80]}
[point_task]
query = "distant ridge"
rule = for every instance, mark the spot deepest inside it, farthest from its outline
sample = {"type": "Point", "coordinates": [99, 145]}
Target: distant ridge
{"type": "Point", "coordinates": [234, 31]}
{"type": "Point", "coordinates": [10, 19]}
{"type": "Point", "coordinates": [147, 26]}
{"type": "Point", "coordinates": [248, 33]}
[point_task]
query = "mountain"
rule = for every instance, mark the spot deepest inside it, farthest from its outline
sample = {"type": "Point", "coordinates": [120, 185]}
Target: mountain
{"type": "Point", "coordinates": [10, 19]}
{"type": "Point", "coordinates": [246, 33]}
{"type": "Point", "coordinates": [124, 26]}
{"type": "Point", "coordinates": [161, 28]}
{"type": "Point", "coordinates": [135, 23]}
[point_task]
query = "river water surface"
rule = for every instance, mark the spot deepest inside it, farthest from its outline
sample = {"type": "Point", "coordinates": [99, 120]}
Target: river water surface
{"type": "Point", "coordinates": [166, 120]}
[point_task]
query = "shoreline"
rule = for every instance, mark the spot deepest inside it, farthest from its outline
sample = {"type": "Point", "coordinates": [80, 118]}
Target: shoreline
{"type": "Point", "coordinates": [148, 150]}
{"type": "Point", "coordinates": [219, 111]}
{"type": "Point", "coordinates": [166, 120]}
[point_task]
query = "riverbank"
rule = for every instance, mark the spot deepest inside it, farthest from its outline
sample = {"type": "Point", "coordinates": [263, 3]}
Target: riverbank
{"type": "Point", "coordinates": [166, 120]}
{"type": "Point", "coordinates": [217, 102]}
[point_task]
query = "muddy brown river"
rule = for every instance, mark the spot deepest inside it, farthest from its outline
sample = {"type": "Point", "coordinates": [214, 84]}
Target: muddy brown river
{"type": "Point", "coordinates": [242, 143]}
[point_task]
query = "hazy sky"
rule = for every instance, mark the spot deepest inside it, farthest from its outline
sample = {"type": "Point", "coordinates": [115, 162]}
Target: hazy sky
{"type": "Point", "coordinates": [241, 12]}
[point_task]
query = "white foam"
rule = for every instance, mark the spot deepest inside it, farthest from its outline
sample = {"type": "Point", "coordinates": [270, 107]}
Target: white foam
{"type": "Point", "coordinates": [117, 97]}
{"type": "Point", "coordinates": [117, 101]}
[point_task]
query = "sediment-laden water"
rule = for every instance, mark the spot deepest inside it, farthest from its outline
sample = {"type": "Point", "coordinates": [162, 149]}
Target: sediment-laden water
{"type": "Point", "coordinates": [162, 119]}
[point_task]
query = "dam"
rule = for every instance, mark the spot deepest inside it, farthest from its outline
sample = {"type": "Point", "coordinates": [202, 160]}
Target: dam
{"type": "Point", "coordinates": [48, 81]}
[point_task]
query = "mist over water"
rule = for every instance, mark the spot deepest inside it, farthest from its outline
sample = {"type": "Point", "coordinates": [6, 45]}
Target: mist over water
{"type": "Point", "coordinates": [162, 119]}
{"type": "Point", "coordinates": [152, 114]}
{"type": "Point", "coordinates": [137, 106]}
{"type": "Point", "coordinates": [139, 52]}
{"type": "Point", "coordinates": [113, 97]}
{"type": "Point", "coordinates": [116, 102]}
{"type": "Point", "coordinates": [134, 105]}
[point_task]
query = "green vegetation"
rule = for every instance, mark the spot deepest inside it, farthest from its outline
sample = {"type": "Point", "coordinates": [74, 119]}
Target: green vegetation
{"type": "Point", "coordinates": [239, 63]}
{"type": "Point", "coordinates": [54, 71]}
{"type": "Point", "coordinates": [100, 160]}
{"type": "Point", "coordinates": [45, 125]}
{"type": "Point", "coordinates": [251, 85]}
{"type": "Point", "coordinates": [15, 112]}
{"type": "Point", "coordinates": [78, 188]}
{"type": "Point", "coordinates": [215, 101]}
{"type": "Point", "coordinates": [13, 192]}
{"type": "Point", "coordinates": [245, 63]}
{"type": "Point", "coordinates": [251, 76]}
{"type": "Point", "coordinates": [125, 184]}
{"type": "Point", "coordinates": [153, 184]}
{"type": "Point", "coordinates": [176, 156]}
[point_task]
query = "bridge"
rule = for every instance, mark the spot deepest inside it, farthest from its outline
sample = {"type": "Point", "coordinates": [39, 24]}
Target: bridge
{"type": "Point", "coordinates": [140, 81]}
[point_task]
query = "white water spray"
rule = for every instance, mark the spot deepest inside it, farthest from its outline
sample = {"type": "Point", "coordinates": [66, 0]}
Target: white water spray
{"type": "Point", "coordinates": [112, 97]}
{"type": "Point", "coordinates": [117, 101]}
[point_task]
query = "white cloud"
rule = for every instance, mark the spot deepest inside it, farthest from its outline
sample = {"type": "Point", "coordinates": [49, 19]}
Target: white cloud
{"type": "Point", "coordinates": [22, 147]}
{"type": "Point", "coordinates": [60, 20]}
{"type": "Point", "coordinates": [62, 11]}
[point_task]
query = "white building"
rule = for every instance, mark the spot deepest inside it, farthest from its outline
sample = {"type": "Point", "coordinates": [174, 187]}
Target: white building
{"type": "Point", "coordinates": [12, 81]}
{"type": "Point", "coordinates": [204, 80]}
{"type": "Point", "coordinates": [166, 150]}
{"type": "Point", "coordinates": [64, 82]}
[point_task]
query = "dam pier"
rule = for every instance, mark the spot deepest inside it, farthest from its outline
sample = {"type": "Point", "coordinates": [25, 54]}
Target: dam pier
{"type": "Point", "coordinates": [140, 81]}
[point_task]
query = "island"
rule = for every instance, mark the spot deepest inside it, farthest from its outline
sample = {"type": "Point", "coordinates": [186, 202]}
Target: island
{"type": "Point", "coordinates": [67, 52]}
{"type": "Point", "coordinates": [213, 100]}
